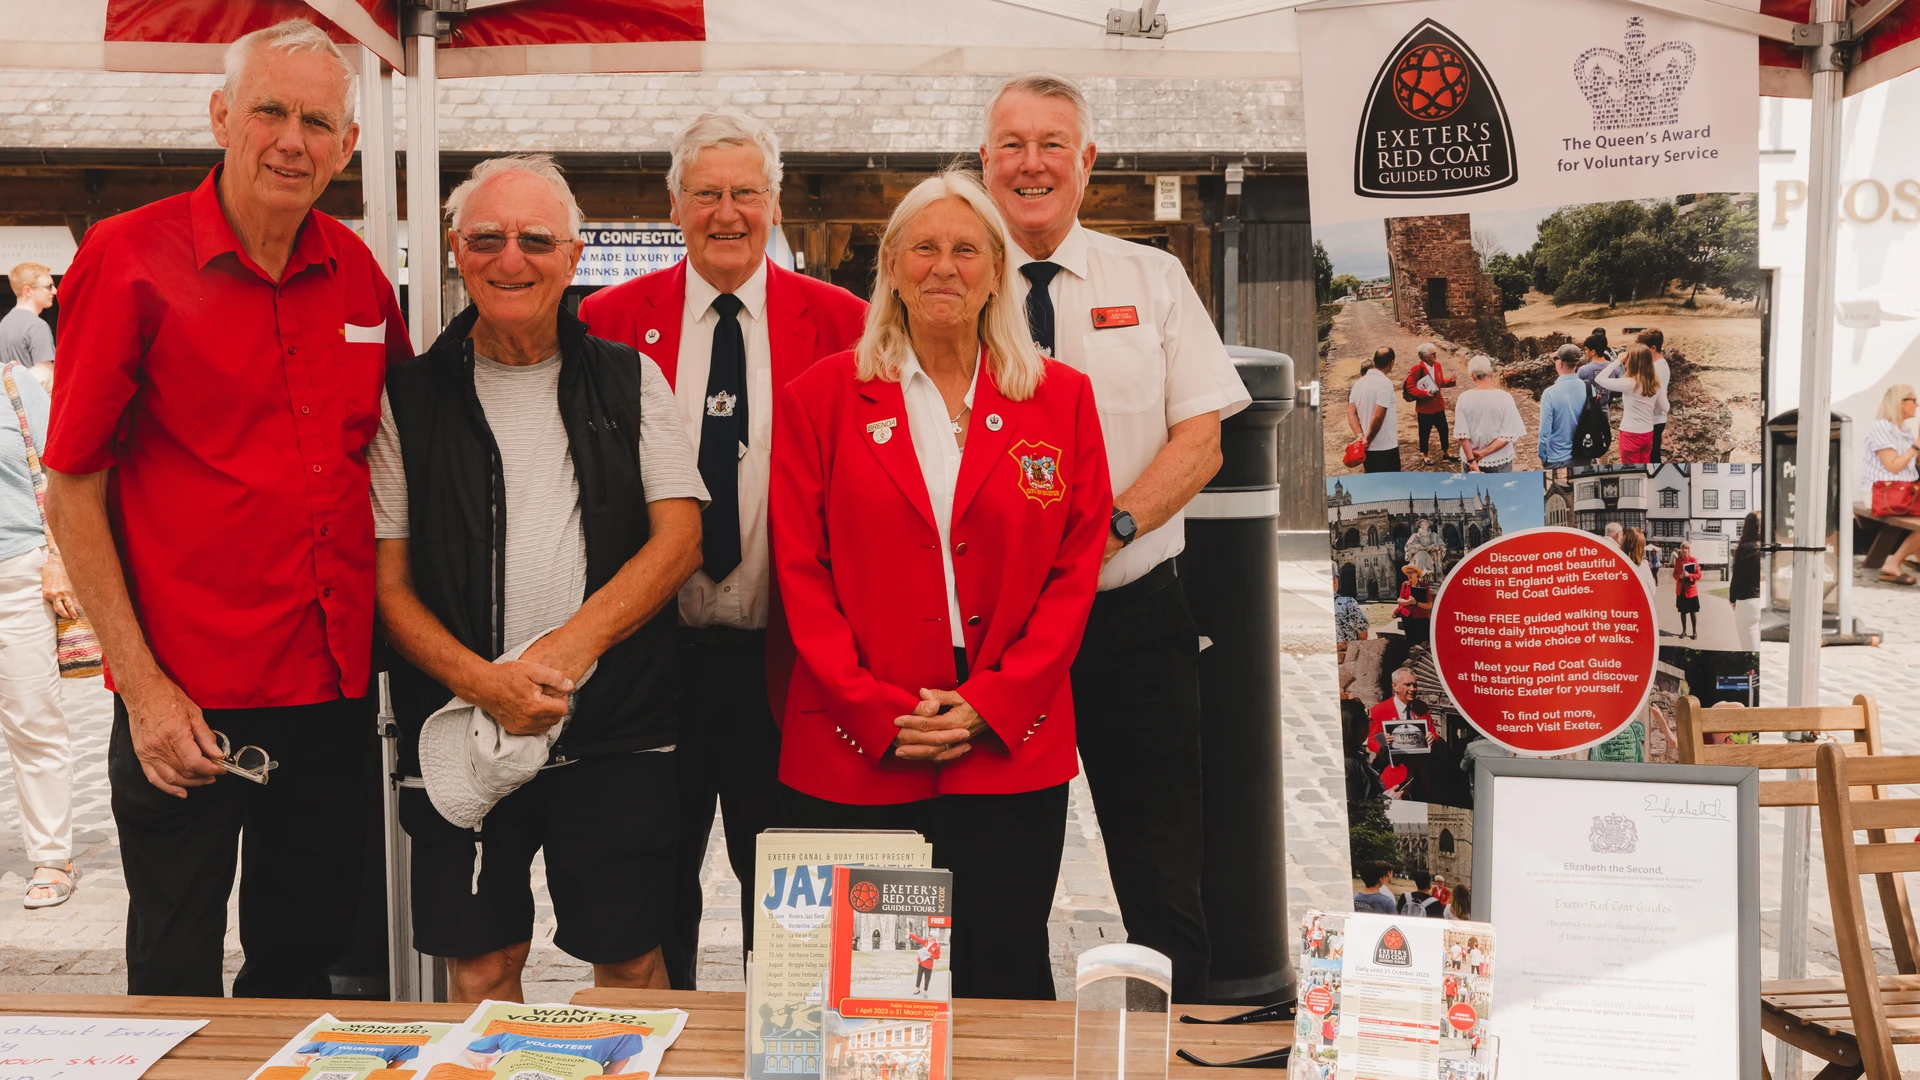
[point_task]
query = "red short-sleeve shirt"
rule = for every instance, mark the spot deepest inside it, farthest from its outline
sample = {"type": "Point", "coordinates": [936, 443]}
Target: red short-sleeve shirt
{"type": "Point", "coordinates": [234, 413]}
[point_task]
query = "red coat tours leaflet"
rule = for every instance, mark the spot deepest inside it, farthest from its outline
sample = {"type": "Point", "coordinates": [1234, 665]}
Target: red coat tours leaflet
{"type": "Point", "coordinates": [889, 975]}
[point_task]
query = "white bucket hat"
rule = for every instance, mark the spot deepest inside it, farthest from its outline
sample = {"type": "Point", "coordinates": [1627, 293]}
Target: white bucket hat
{"type": "Point", "coordinates": [469, 762]}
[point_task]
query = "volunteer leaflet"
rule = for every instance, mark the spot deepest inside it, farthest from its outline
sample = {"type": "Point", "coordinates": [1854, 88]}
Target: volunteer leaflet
{"type": "Point", "coordinates": [1622, 901]}
{"type": "Point", "coordinates": [1392, 997]}
{"type": "Point", "coordinates": [507, 1041]}
{"type": "Point", "coordinates": [333, 1049]}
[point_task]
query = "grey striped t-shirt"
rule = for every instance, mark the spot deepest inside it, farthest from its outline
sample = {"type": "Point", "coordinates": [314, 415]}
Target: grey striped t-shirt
{"type": "Point", "coordinates": [546, 557]}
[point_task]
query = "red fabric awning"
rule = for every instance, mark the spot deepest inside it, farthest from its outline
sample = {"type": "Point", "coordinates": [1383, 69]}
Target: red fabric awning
{"type": "Point", "coordinates": [1891, 48]}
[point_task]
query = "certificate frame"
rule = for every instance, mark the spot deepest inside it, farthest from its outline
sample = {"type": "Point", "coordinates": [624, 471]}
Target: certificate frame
{"type": "Point", "coordinates": [1743, 784]}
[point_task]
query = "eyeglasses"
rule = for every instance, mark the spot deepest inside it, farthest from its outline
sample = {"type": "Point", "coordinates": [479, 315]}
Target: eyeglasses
{"type": "Point", "coordinates": [49, 286]}
{"type": "Point", "coordinates": [493, 243]}
{"type": "Point", "coordinates": [747, 198]}
{"type": "Point", "coordinates": [251, 762]}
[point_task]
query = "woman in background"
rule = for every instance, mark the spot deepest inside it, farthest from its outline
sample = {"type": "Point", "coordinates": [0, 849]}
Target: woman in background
{"type": "Point", "coordinates": [1743, 590]}
{"type": "Point", "coordinates": [1890, 454]}
{"type": "Point", "coordinates": [1686, 589]}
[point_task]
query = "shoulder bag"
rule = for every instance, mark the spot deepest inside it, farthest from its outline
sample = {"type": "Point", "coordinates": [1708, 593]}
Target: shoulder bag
{"type": "Point", "coordinates": [78, 648]}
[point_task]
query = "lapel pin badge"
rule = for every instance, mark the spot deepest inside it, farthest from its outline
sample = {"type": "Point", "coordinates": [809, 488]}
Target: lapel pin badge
{"type": "Point", "coordinates": [993, 421]}
{"type": "Point", "coordinates": [882, 430]}
{"type": "Point", "coordinates": [653, 336]}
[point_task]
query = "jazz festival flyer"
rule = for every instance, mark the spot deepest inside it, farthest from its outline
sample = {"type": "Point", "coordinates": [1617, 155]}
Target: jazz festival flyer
{"type": "Point", "coordinates": [1392, 997]}
{"type": "Point", "coordinates": [332, 1049]}
{"type": "Point", "coordinates": [793, 878]}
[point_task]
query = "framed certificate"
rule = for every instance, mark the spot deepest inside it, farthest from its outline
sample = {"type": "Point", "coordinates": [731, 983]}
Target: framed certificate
{"type": "Point", "coordinates": [1626, 897]}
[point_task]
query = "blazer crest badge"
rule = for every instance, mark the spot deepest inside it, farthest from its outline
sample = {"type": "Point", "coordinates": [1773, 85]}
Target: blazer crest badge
{"type": "Point", "coordinates": [1040, 478]}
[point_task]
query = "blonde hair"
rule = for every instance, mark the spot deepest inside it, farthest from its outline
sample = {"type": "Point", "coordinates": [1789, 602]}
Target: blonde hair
{"type": "Point", "coordinates": [1646, 378]}
{"type": "Point", "coordinates": [1889, 402]}
{"type": "Point", "coordinates": [1012, 358]}
{"type": "Point", "coordinates": [724, 129]}
{"type": "Point", "coordinates": [24, 275]}
{"type": "Point", "coordinates": [291, 35]}
{"type": "Point", "coordinates": [540, 165]}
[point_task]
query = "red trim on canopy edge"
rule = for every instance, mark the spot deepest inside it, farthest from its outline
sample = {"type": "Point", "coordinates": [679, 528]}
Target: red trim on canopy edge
{"type": "Point", "coordinates": [571, 22]}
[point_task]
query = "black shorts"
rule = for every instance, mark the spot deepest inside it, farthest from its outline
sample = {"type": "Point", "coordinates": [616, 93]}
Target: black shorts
{"type": "Point", "coordinates": [608, 826]}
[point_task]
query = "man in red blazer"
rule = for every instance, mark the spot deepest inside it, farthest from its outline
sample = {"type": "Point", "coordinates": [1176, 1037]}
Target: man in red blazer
{"type": "Point", "coordinates": [729, 330]}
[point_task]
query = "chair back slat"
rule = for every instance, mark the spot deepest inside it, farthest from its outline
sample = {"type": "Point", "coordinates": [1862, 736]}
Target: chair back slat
{"type": "Point", "coordinates": [1789, 793]}
{"type": "Point", "coordinates": [1872, 813]}
{"type": "Point", "coordinates": [1840, 810]}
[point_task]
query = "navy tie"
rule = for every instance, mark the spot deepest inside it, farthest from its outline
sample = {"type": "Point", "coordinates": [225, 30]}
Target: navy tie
{"type": "Point", "coordinates": [1040, 303]}
{"type": "Point", "coordinates": [722, 434]}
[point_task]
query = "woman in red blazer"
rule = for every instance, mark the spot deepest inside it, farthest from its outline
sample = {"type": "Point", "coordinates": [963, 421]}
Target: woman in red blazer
{"type": "Point", "coordinates": [939, 509]}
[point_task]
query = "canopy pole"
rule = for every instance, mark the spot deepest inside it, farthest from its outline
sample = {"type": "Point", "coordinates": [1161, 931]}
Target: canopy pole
{"type": "Point", "coordinates": [424, 273]}
{"type": "Point", "coordinates": [379, 192]}
{"type": "Point", "coordinates": [1810, 482]}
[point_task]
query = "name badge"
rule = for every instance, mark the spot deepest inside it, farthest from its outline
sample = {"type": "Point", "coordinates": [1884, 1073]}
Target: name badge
{"type": "Point", "coordinates": [1105, 318]}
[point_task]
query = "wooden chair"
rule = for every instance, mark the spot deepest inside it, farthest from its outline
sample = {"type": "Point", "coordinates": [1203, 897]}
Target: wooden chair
{"type": "Point", "coordinates": [1873, 1012]}
{"type": "Point", "coordinates": [1810, 1014]}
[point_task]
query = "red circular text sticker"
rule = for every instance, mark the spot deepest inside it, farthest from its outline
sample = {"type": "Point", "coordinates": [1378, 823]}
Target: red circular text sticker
{"type": "Point", "coordinates": [1545, 640]}
{"type": "Point", "coordinates": [1319, 1001]}
{"type": "Point", "coordinates": [1462, 1017]}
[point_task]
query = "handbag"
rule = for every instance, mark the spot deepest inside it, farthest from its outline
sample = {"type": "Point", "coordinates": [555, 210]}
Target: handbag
{"type": "Point", "coordinates": [1356, 453]}
{"type": "Point", "coordinates": [1896, 498]}
{"type": "Point", "coordinates": [76, 646]}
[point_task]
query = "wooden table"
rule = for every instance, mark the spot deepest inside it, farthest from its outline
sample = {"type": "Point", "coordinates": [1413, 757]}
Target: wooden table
{"type": "Point", "coordinates": [995, 1040]}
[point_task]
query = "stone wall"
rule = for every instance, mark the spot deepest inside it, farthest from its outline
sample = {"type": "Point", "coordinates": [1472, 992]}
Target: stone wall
{"type": "Point", "coordinates": [1421, 251]}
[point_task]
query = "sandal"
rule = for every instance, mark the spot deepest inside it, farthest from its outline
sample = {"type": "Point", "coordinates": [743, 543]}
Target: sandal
{"type": "Point", "coordinates": [62, 890]}
{"type": "Point", "coordinates": [1898, 579]}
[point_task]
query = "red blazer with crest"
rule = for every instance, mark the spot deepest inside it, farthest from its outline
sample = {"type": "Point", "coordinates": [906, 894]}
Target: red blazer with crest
{"type": "Point", "coordinates": [806, 319]}
{"type": "Point", "coordinates": [857, 556]}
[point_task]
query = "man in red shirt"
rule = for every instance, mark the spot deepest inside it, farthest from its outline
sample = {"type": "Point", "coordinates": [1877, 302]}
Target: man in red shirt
{"type": "Point", "coordinates": [220, 376]}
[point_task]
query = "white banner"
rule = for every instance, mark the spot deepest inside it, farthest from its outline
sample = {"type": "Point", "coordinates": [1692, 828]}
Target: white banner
{"type": "Point", "coordinates": [1451, 106]}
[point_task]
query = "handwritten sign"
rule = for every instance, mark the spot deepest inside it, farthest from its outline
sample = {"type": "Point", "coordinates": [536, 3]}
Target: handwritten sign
{"type": "Point", "coordinates": [86, 1047]}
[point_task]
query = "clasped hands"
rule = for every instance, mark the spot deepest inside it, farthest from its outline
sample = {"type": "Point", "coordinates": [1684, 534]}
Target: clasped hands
{"type": "Point", "coordinates": [939, 729]}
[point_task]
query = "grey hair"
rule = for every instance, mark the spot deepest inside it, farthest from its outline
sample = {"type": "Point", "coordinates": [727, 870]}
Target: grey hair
{"type": "Point", "coordinates": [1427, 350]}
{"type": "Point", "coordinates": [1042, 84]}
{"type": "Point", "coordinates": [540, 165]}
{"type": "Point", "coordinates": [291, 35]}
{"type": "Point", "coordinates": [724, 129]}
{"type": "Point", "coordinates": [1480, 367]}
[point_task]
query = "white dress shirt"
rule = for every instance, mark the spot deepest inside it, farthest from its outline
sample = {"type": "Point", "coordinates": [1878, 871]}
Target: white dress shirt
{"type": "Point", "coordinates": [741, 600]}
{"type": "Point", "coordinates": [1146, 378]}
{"type": "Point", "coordinates": [939, 453]}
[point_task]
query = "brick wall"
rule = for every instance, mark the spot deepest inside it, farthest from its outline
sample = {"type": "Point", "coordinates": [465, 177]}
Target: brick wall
{"type": "Point", "coordinates": [1420, 249]}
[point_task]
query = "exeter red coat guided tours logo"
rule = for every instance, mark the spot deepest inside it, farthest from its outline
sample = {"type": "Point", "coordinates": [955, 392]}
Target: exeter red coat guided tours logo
{"type": "Point", "coordinates": [863, 896]}
{"type": "Point", "coordinates": [1545, 640]}
{"type": "Point", "coordinates": [1392, 950]}
{"type": "Point", "coordinates": [1434, 124]}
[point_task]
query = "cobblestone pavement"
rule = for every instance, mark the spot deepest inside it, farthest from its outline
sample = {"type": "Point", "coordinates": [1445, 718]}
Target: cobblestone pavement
{"type": "Point", "coordinates": [78, 947]}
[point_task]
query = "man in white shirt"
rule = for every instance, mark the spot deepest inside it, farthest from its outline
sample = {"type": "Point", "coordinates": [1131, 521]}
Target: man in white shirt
{"type": "Point", "coordinates": [727, 328]}
{"type": "Point", "coordinates": [1126, 315]}
{"type": "Point", "coordinates": [1371, 413]}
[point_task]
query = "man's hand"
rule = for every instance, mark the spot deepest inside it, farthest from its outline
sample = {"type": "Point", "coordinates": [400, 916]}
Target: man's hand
{"type": "Point", "coordinates": [1113, 548]}
{"type": "Point", "coordinates": [57, 589]}
{"type": "Point", "coordinates": [563, 652]}
{"type": "Point", "coordinates": [171, 738]}
{"type": "Point", "coordinates": [526, 697]}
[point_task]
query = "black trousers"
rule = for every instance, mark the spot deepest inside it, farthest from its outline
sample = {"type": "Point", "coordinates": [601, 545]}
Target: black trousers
{"type": "Point", "coordinates": [298, 840]}
{"type": "Point", "coordinates": [1432, 422]}
{"type": "Point", "coordinates": [1659, 434]}
{"type": "Point", "coordinates": [1136, 707]}
{"type": "Point", "coordinates": [1377, 461]}
{"type": "Point", "coordinates": [730, 751]}
{"type": "Point", "coordinates": [1004, 851]}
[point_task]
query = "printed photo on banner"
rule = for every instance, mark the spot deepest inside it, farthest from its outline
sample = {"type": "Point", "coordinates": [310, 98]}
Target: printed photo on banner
{"type": "Point", "coordinates": [1409, 753]}
{"type": "Point", "coordinates": [1512, 340]}
{"type": "Point", "coordinates": [1692, 533]}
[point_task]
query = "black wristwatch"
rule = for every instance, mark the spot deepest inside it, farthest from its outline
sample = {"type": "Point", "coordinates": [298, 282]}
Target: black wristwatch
{"type": "Point", "coordinates": [1123, 526]}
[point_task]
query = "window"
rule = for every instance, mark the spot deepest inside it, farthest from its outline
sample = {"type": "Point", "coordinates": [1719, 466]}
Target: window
{"type": "Point", "coordinates": [1736, 499]}
{"type": "Point", "coordinates": [1710, 469]}
{"type": "Point", "coordinates": [1713, 526]}
{"type": "Point", "coordinates": [1446, 841]}
{"type": "Point", "coordinates": [1710, 499]}
{"type": "Point", "coordinates": [1436, 298]}
{"type": "Point", "coordinates": [1736, 470]}
{"type": "Point", "coordinates": [1669, 498]}
{"type": "Point", "coordinates": [1630, 487]}
{"type": "Point", "coordinates": [1588, 490]}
